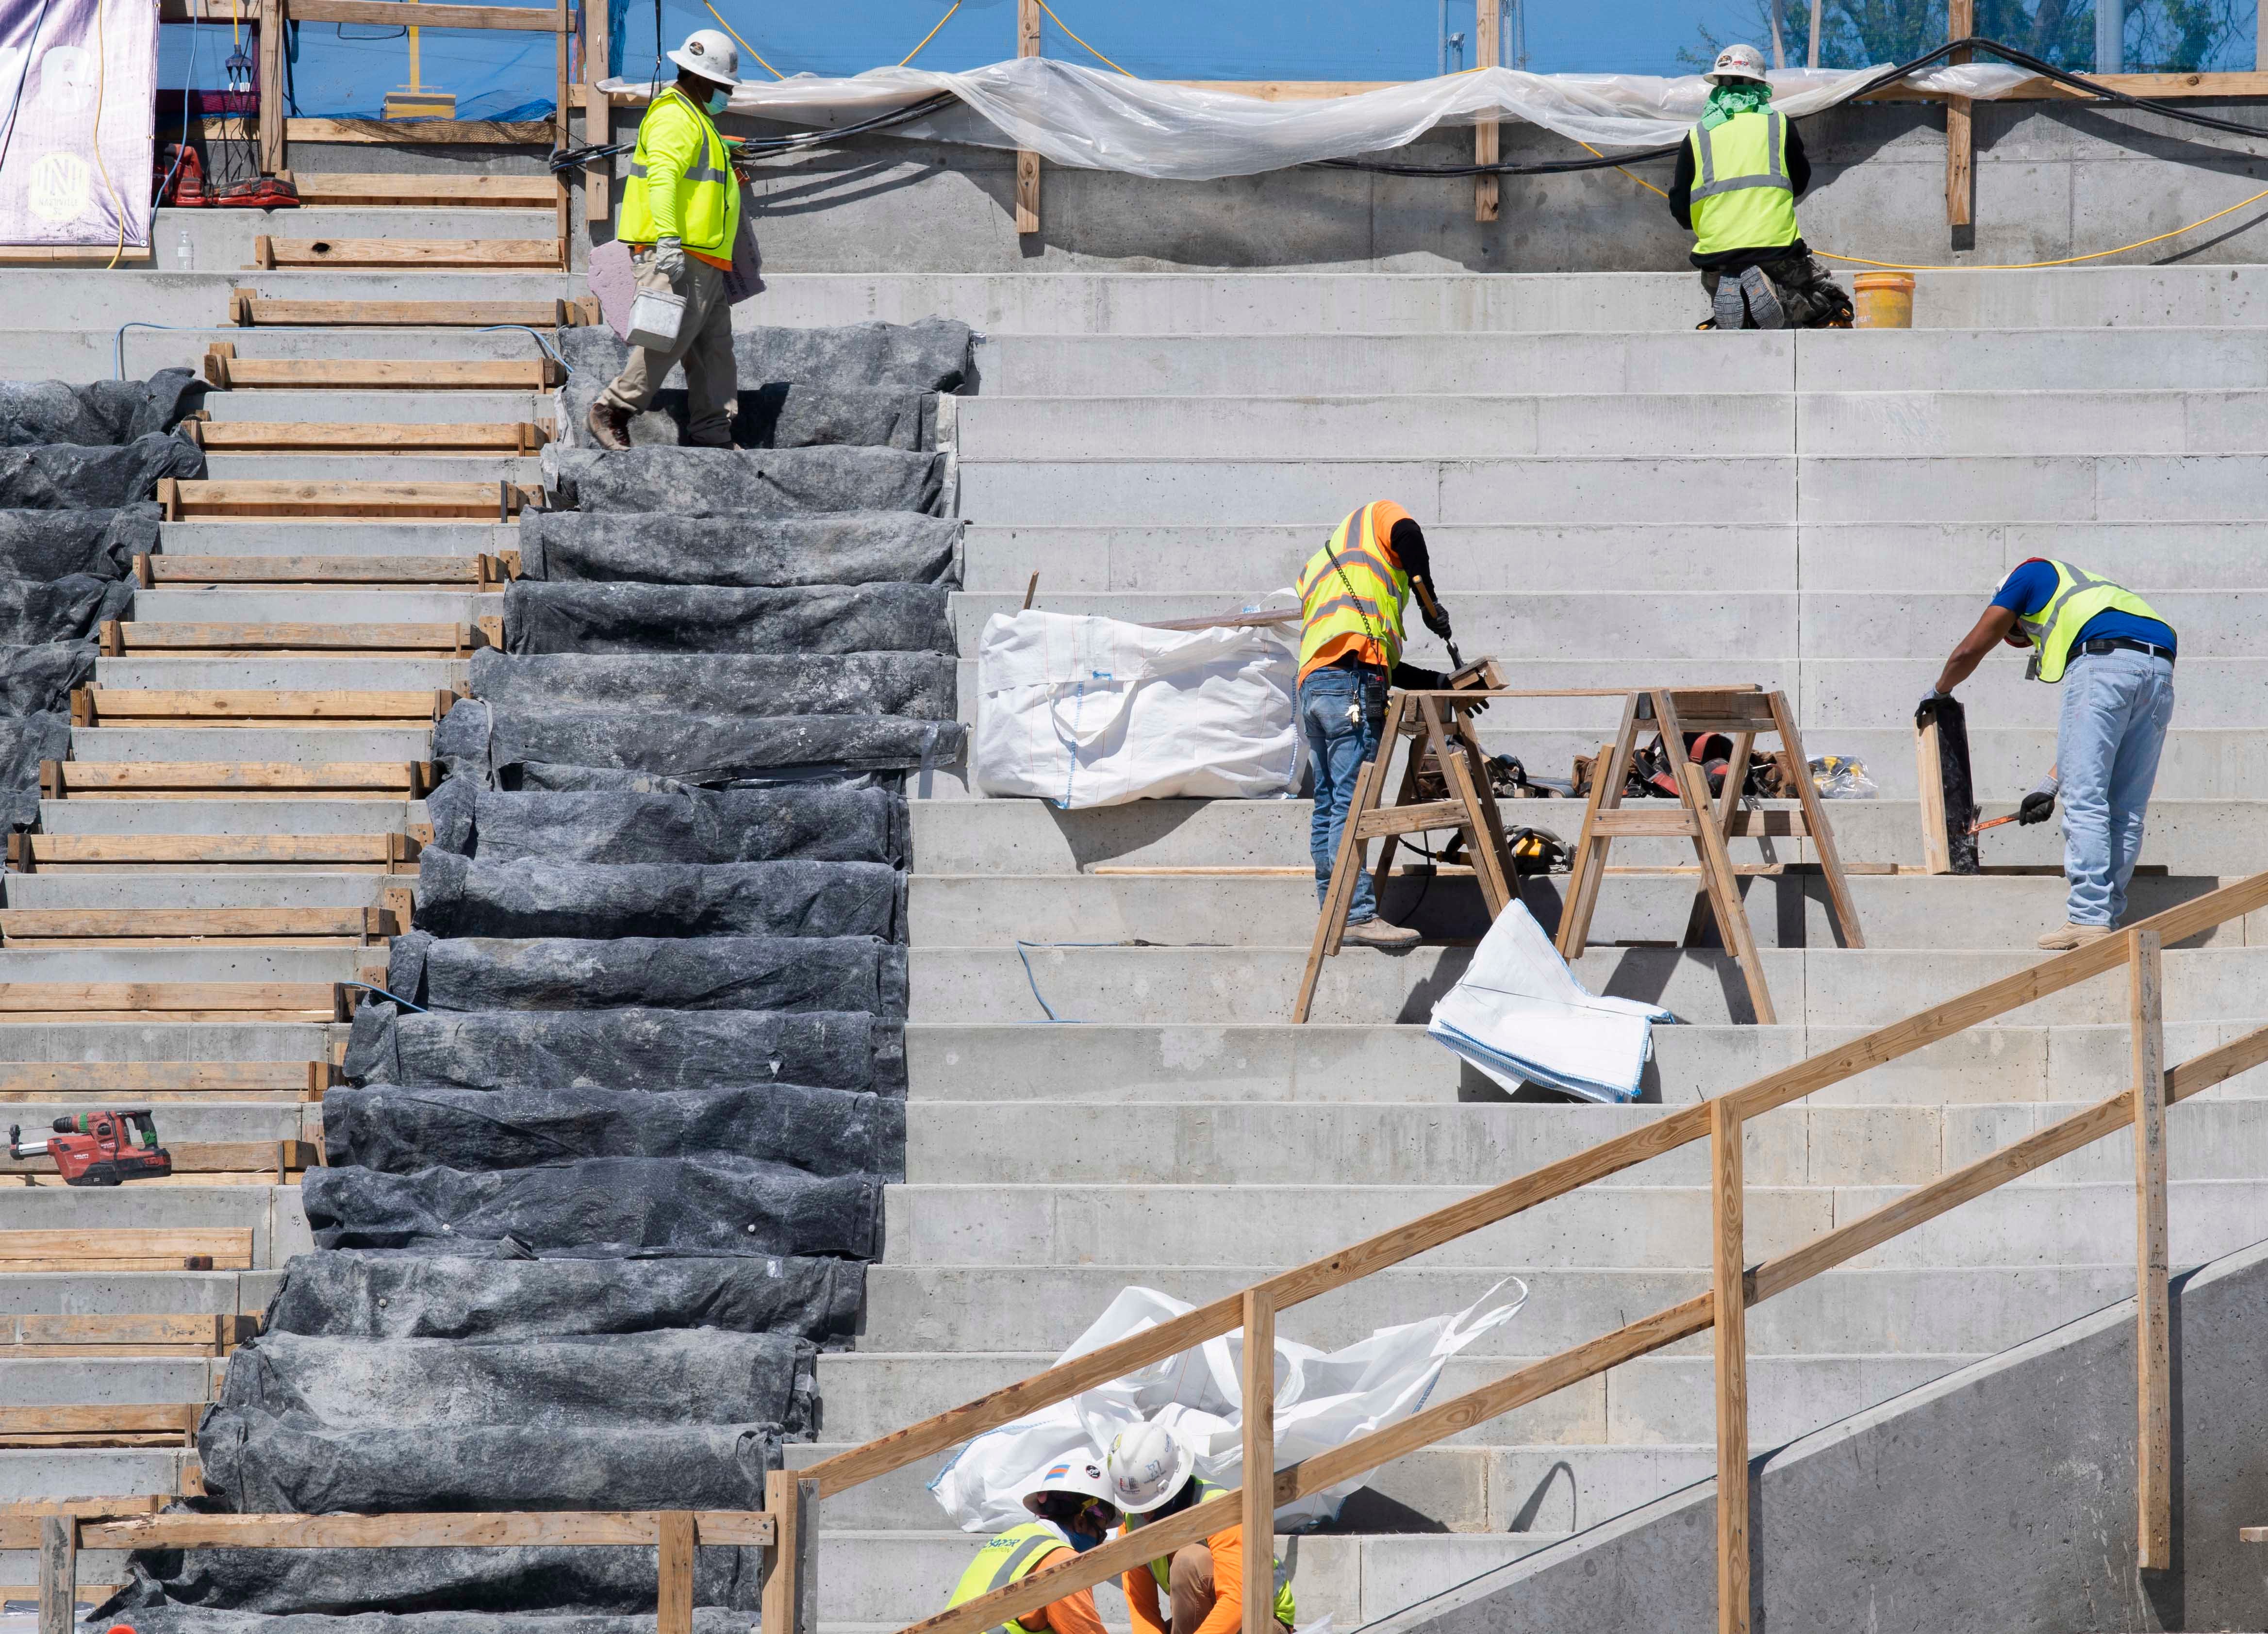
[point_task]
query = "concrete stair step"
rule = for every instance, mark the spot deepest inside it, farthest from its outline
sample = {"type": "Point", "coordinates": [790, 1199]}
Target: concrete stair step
{"type": "Point", "coordinates": [183, 1123]}
{"type": "Point", "coordinates": [222, 816]}
{"type": "Point", "coordinates": [158, 1039]}
{"type": "Point", "coordinates": [265, 672]}
{"type": "Point", "coordinates": [377, 467]}
{"type": "Point", "coordinates": [81, 1472]}
{"type": "Point", "coordinates": [201, 297]}
{"type": "Point", "coordinates": [310, 746]}
{"type": "Point", "coordinates": [123, 1293]}
{"type": "Point", "coordinates": [243, 887]}
{"type": "Point", "coordinates": [246, 536]}
{"type": "Point", "coordinates": [213, 963]}
{"type": "Point", "coordinates": [330, 604]}
{"type": "Point", "coordinates": [271, 1213]}
{"type": "Point", "coordinates": [215, 234]}
{"type": "Point", "coordinates": [1322, 1063]}
{"type": "Point", "coordinates": [100, 352]}
{"type": "Point", "coordinates": [1836, 987]}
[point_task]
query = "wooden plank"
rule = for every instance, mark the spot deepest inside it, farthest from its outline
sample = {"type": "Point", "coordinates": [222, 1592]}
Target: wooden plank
{"type": "Point", "coordinates": [1485, 188]}
{"type": "Point", "coordinates": [230, 705]}
{"type": "Point", "coordinates": [1339, 894]}
{"type": "Point", "coordinates": [598, 111]}
{"type": "Point", "coordinates": [135, 778]}
{"type": "Point", "coordinates": [511, 437]}
{"type": "Point", "coordinates": [790, 1499]}
{"type": "Point", "coordinates": [1027, 163]}
{"type": "Point", "coordinates": [486, 191]}
{"type": "Point", "coordinates": [341, 570]}
{"type": "Point", "coordinates": [143, 1418]}
{"type": "Point", "coordinates": [215, 1331]}
{"type": "Point", "coordinates": [406, 373]}
{"type": "Point", "coordinates": [347, 498]}
{"type": "Point", "coordinates": [222, 998]}
{"type": "Point", "coordinates": [674, 1563]}
{"type": "Point", "coordinates": [51, 850]}
{"type": "Point", "coordinates": [1630, 821]}
{"type": "Point", "coordinates": [251, 309]}
{"type": "Point", "coordinates": [1410, 818]}
{"type": "Point", "coordinates": [36, 924]}
{"type": "Point", "coordinates": [2153, 1474]}
{"type": "Point", "coordinates": [1728, 1295]}
{"type": "Point", "coordinates": [58, 1573]}
{"type": "Point", "coordinates": [1724, 888]}
{"type": "Point", "coordinates": [429, 132]}
{"type": "Point", "coordinates": [485, 253]}
{"type": "Point", "coordinates": [399, 14]}
{"type": "Point", "coordinates": [228, 1247]}
{"type": "Point", "coordinates": [509, 1529]}
{"type": "Point", "coordinates": [181, 637]}
{"type": "Point", "coordinates": [33, 1079]}
{"type": "Point", "coordinates": [2253, 1535]}
{"type": "Point", "coordinates": [70, 256]}
{"type": "Point", "coordinates": [275, 129]}
{"type": "Point", "coordinates": [1960, 130]}
{"type": "Point", "coordinates": [1259, 1410]}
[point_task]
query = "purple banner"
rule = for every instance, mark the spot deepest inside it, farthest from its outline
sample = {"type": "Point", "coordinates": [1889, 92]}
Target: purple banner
{"type": "Point", "coordinates": [78, 83]}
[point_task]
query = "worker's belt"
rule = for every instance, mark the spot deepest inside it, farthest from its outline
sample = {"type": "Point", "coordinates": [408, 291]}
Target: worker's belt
{"type": "Point", "coordinates": [1348, 660]}
{"type": "Point", "coordinates": [2100, 644]}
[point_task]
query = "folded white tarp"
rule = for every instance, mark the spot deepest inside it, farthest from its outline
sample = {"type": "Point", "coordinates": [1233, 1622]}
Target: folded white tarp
{"type": "Point", "coordinates": [1520, 1016]}
{"type": "Point", "coordinates": [1321, 1401]}
{"type": "Point", "coordinates": [1071, 114]}
{"type": "Point", "coordinates": [1092, 711]}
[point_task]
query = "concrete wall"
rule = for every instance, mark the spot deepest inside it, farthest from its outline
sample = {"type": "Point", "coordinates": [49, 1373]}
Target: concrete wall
{"type": "Point", "coordinates": [2053, 181]}
{"type": "Point", "coordinates": [2000, 1497]}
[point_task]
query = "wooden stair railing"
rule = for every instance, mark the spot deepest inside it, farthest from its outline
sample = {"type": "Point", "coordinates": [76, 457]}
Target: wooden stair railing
{"type": "Point", "coordinates": [790, 1594]}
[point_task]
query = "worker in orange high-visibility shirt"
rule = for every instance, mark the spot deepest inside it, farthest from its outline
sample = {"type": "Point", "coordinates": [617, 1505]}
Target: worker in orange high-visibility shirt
{"type": "Point", "coordinates": [1153, 1475]}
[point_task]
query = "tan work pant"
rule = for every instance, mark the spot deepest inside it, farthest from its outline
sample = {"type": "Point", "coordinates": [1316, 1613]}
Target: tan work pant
{"type": "Point", "coordinates": [704, 346]}
{"type": "Point", "coordinates": [1191, 1597]}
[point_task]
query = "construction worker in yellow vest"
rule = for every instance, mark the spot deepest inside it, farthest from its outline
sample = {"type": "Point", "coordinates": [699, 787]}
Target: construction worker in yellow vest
{"type": "Point", "coordinates": [681, 214]}
{"type": "Point", "coordinates": [1071, 1501]}
{"type": "Point", "coordinates": [2114, 657]}
{"type": "Point", "coordinates": [1153, 1475]}
{"type": "Point", "coordinates": [1351, 597]}
{"type": "Point", "coordinates": [1739, 176]}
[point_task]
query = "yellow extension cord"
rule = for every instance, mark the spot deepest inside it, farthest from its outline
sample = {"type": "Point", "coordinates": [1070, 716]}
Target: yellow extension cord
{"type": "Point", "coordinates": [102, 83]}
{"type": "Point", "coordinates": [775, 74]}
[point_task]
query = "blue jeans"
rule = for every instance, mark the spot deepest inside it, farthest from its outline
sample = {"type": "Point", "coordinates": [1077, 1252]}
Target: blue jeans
{"type": "Point", "coordinates": [1340, 735]}
{"type": "Point", "coordinates": [2116, 706]}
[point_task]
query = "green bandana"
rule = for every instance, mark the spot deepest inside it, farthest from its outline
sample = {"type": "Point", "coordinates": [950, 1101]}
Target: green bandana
{"type": "Point", "coordinates": [1747, 97]}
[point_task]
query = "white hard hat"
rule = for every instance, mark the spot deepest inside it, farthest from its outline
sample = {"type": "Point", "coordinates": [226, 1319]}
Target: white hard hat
{"type": "Point", "coordinates": [714, 57]}
{"type": "Point", "coordinates": [1736, 62]}
{"type": "Point", "coordinates": [1147, 1464]}
{"type": "Point", "coordinates": [1080, 1473]}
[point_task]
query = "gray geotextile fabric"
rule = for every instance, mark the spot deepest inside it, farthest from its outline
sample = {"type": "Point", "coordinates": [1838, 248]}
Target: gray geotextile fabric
{"type": "Point", "coordinates": [782, 415]}
{"type": "Point", "coordinates": [626, 1048]}
{"type": "Point", "coordinates": [490, 744]}
{"type": "Point", "coordinates": [731, 482]}
{"type": "Point", "coordinates": [38, 679]}
{"type": "Point", "coordinates": [622, 1381]}
{"type": "Point", "coordinates": [54, 544]}
{"type": "Point", "coordinates": [105, 412]}
{"type": "Point", "coordinates": [258, 1465]}
{"type": "Point", "coordinates": [918, 683]}
{"type": "Point", "coordinates": [665, 973]}
{"type": "Point", "coordinates": [69, 476]}
{"type": "Point", "coordinates": [819, 822]}
{"type": "Point", "coordinates": [458, 897]}
{"type": "Point", "coordinates": [727, 618]}
{"type": "Point", "coordinates": [851, 548]}
{"type": "Point", "coordinates": [60, 610]}
{"type": "Point", "coordinates": [602, 1208]}
{"type": "Point", "coordinates": [400, 1131]}
{"type": "Point", "coordinates": [930, 355]}
{"type": "Point", "coordinates": [379, 1295]}
{"type": "Point", "coordinates": [24, 742]}
{"type": "Point", "coordinates": [142, 1603]}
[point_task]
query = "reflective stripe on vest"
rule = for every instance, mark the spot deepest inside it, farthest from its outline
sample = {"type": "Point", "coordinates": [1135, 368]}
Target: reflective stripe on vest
{"type": "Point", "coordinates": [1286, 1608]}
{"type": "Point", "coordinates": [2079, 596]}
{"type": "Point", "coordinates": [1353, 587]}
{"type": "Point", "coordinates": [1007, 1558]}
{"type": "Point", "coordinates": [706, 194]}
{"type": "Point", "coordinates": [1743, 197]}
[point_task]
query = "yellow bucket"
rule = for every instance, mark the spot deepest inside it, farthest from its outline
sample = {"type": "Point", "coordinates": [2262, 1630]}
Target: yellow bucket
{"type": "Point", "coordinates": [1884, 300]}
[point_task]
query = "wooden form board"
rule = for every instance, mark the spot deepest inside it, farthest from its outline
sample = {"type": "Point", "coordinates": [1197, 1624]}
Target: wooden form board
{"type": "Point", "coordinates": [143, 780]}
{"type": "Point", "coordinates": [481, 254]}
{"type": "Point", "coordinates": [130, 639]}
{"type": "Point", "coordinates": [1027, 163]}
{"type": "Point", "coordinates": [40, 1080]}
{"type": "Point", "coordinates": [99, 705]}
{"type": "Point", "coordinates": [214, 1334]}
{"type": "Point", "coordinates": [329, 188]}
{"type": "Point", "coordinates": [219, 1248]}
{"type": "Point", "coordinates": [1960, 133]}
{"type": "Point", "coordinates": [508, 436]}
{"type": "Point", "coordinates": [249, 309]}
{"type": "Point", "coordinates": [181, 1001]}
{"type": "Point", "coordinates": [225, 371]}
{"type": "Point", "coordinates": [2153, 1352]}
{"type": "Point", "coordinates": [188, 500]}
{"type": "Point", "coordinates": [482, 572]}
{"type": "Point", "coordinates": [82, 927]}
{"type": "Point", "coordinates": [1486, 189]}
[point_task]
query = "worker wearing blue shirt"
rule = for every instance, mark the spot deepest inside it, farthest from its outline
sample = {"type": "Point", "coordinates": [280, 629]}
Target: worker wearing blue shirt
{"type": "Point", "coordinates": [2115, 658]}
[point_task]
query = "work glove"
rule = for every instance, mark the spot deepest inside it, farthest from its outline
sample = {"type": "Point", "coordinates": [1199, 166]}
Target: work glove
{"type": "Point", "coordinates": [2038, 805]}
{"type": "Point", "coordinates": [1436, 619]}
{"type": "Point", "coordinates": [1922, 710]}
{"type": "Point", "coordinates": [669, 259]}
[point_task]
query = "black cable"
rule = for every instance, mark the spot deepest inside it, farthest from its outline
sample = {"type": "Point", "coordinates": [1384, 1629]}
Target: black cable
{"type": "Point", "coordinates": [571, 158]}
{"type": "Point", "coordinates": [1888, 77]}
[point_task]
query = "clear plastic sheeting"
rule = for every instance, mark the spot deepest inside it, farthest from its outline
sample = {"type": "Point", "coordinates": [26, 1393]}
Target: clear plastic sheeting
{"type": "Point", "coordinates": [677, 972]}
{"type": "Point", "coordinates": [851, 548]}
{"type": "Point", "coordinates": [812, 619]}
{"type": "Point", "coordinates": [819, 822]}
{"type": "Point", "coordinates": [725, 481]}
{"type": "Point", "coordinates": [400, 1131]}
{"type": "Point", "coordinates": [602, 1208]}
{"type": "Point", "coordinates": [1087, 711]}
{"type": "Point", "coordinates": [1323, 1400]}
{"type": "Point", "coordinates": [61, 609]}
{"type": "Point", "coordinates": [1072, 115]}
{"type": "Point", "coordinates": [633, 1049]}
{"type": "Point", "coordinates": [1519, 1015]}
{"type": "Point", "coordinates": [38, 679]}
{"type": "Point", "coordinates": [70, 476]}
{"type": "Point", "coordinates": [106, 412]}
{"type": "Point", "coordinates": [457, 896]}
{"type": "Point", "coordinates": [44, 545]}
{"type": "Point", "coordinates": [917, 683]}
{"type": "Point", "coordinates": [386, 1296]}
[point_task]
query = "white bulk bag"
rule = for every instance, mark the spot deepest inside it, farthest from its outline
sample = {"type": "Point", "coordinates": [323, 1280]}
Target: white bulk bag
{"type": "Point", "coordinates": [1093, 711]}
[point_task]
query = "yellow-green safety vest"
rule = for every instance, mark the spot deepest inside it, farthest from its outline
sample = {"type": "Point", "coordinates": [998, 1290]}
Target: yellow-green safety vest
{"type": "Point", "coordinates": [1287, 1611]}
{"type": "Point", "coordinates": [1008, 1558]}
{"type": "Point", "coordinates": [1743, 199]}
{"type": "Point", "coordinates": [2055, 623]}
{"type": "Point", "coordinates": [1353, 587]}
{"type": "Point", "coordinates": [702, 210]}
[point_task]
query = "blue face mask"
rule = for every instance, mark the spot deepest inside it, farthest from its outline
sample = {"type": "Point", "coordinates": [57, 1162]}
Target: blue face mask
{"type": "Point", "coordinates": [717, 100]}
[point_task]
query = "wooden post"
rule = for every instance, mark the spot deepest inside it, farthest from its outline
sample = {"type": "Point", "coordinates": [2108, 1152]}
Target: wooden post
{"type": "Point", "coordinates": [562, 41]}
{"type": "Point", "coordinates": [598, 116]}
{"type": "Point", "coordinates": [1485, 191]}
{"type": "Point", "coordinates": [1259, 1462]}
{"type": "Point", "coordinates": [790, 1579]}
{"type": "Point", "coordinates": [673, 1613]}
{"type": "Point", "coordinates": [1027, 163]}
{"type": "Point", "coordinates": [2153, 1472]}
{"type": "Point", "coordinates": [1960, 144]}
{"type": "Point", "coordinates": [1731, 1323]}
{"type": "Point", "coordinates": [270, 69]}
{"type": "Point", "coordinates": [58, 1573]}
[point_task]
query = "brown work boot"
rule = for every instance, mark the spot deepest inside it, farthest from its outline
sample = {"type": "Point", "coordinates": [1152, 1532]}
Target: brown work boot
{"type": "Point", "coordinates": [1377, 933]}
{"type": "Point", "coordinates": [610, 425]}
{"type": "Point", "coordinates": [2074, 936]}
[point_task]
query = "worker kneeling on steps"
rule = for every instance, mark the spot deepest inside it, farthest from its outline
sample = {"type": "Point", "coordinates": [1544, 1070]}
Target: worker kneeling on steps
{"type": "Point", "coordinates": [1738, 178]}
{"type": "Point", "coordinates": [1072, 1501]}
{"type": "Point", "coordinates": [2115, 658]}
{"type": "Point", "coordinates": [1153, 1475]}
{"type": "Point", "coordinates": [681, 214]}
{"type": "Point", "coordinates": [1351, 597]}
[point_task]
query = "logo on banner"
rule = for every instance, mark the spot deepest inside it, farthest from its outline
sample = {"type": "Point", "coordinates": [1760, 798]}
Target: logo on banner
{"type": "Point", "coordinates": [67, 80]}
{"type": "Point", "coordinates": [61, 186]}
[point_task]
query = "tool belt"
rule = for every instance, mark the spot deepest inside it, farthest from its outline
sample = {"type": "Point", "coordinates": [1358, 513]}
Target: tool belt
{"type": "Point", "coordinates": [2100, 644]}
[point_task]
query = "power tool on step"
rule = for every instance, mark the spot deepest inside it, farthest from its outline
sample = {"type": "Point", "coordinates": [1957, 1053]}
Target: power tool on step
{"type": "Point", "coordinates": [99, 1148]}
